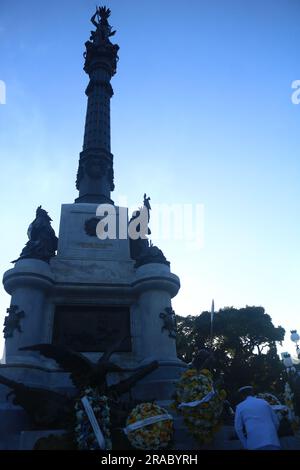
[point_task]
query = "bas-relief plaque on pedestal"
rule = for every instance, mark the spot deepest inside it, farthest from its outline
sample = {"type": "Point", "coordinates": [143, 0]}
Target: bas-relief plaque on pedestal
{"type": "Point", "coordinates": [88, 328]}
{"type": "Point", "coordinates": [75, 243]}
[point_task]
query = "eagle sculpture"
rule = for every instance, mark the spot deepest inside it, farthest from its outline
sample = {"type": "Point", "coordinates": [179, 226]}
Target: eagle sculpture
{"type": "Point", "coordinates": [49, 409]}
{"type": "Point", "coordinates": [83, 372]}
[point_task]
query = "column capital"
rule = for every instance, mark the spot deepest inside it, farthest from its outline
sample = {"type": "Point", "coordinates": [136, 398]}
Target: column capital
{"type": "Point", "coordinates": [28, 272]}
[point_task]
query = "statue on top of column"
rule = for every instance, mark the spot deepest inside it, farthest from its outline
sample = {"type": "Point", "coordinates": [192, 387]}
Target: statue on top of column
{"type": "Point", "coordinates": [103, 29]}
{"type": "Point", "coordinates": [99, 44]}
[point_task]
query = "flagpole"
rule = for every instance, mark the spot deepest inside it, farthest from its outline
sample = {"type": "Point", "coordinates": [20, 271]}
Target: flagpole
{"type": "Point", "coordinates": [212, 312]}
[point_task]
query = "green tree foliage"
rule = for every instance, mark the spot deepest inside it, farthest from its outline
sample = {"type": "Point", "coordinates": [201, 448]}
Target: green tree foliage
{"type": "Point", "coordinates": [244, 344]}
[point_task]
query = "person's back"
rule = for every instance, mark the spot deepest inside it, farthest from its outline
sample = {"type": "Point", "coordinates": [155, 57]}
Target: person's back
{"type": "Point", "coordinates": [256, 417]}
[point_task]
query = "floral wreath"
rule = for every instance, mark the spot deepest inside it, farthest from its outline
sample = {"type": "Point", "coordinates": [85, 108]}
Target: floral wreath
{"type": "Point", "coordinates": [280, 409]}
{"type": "Point", "coordinates": [283, 411]}
{"type": "Point", "coordinates": [198, 402]}
{"type": "Point", "coordinates": [85, 437]}
{"type": "Point", "coordinates": [149, 427]}
{"type": "Point", "coordinates": [270, 398]}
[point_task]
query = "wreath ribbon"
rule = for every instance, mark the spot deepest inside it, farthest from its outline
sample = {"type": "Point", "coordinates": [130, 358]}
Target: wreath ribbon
{"type": "Point", "coordinates": [146, 422]}
{"type": "Point", "coordinates": [192, 404]}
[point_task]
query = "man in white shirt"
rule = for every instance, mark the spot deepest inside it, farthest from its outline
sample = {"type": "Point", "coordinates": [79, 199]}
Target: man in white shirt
{"type": "Point", "coordinates": [256, 423]}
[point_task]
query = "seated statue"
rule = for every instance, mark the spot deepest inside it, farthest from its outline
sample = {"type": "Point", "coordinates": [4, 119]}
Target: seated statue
{"type": "Point", "coordinates": [42, 242]}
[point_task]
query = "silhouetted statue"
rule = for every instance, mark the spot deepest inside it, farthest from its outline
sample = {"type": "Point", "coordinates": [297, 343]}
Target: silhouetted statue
{"type": "Point", "coordinates": [169, 322]}
{"type": "Point", "coordinates": [141, 250]}
{"type": "Point", "coordinates": [147, 205]}
{"type": "Point", "coordinates": [103, 29]}
{"type": "Point", "coordinates": [141, 244]}
{"type": "Point", "coordinates": [99, 45]}
{"type": "Point", "coordinates": [42, 242]}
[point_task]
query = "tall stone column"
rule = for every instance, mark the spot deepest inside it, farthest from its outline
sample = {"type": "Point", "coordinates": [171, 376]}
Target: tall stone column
{"type": "Point", "coordinates": [95, 178]}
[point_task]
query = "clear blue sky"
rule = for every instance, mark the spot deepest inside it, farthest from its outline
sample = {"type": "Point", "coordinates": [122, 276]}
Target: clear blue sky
{"type": "Point", "coordinates": [202, 113]}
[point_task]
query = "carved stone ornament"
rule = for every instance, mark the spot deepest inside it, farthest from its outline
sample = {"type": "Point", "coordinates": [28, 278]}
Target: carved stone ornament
{"type": "Point", "coordinates": [95, 167]}
{"type": "Point", "coordinates": [90, 226]}
{"type": "Point", "coordinates": [12, 321]}
{"type": "Point", "coordinates": [169, 322]}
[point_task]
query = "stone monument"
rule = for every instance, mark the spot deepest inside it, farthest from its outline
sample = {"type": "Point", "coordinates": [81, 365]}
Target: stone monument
{"type": "Point", "coordinates": [83, 290]}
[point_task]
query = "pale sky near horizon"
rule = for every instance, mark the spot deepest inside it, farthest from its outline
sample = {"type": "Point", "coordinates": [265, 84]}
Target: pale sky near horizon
{"type": "Point", "coordinates": [202, 114]}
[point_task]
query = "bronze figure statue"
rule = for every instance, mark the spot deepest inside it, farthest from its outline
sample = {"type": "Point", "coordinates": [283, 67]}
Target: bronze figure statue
{"type": "Point", "coordinates": [141, 249]}
{"type": "Point", "coordinates": [147, 205]}
{"type": "Point", "coordinates": [42, 242]}
{"type": "Point", "coordinates": [169, 322]}
{"type": "Point", "coordinates": [12, 321]}
{"type": "Point", "coordinates": [103, 28]}
{"type": "Point", "coordinates": [99, 45]}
